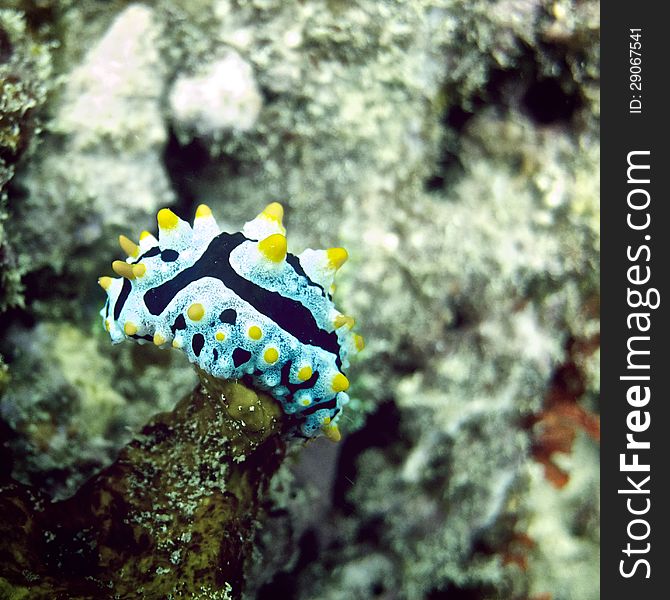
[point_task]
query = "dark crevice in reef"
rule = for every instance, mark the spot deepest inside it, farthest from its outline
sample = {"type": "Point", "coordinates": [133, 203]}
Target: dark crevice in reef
{"type": "Point", "coordinates": [45, 283]}
{"type": "Point", "coordinates": [382, 430]}
{"type": "Point", "coordinates": [13, 316]}
{"type": "Point", "coordinates": [407, 360]}
{"type": "Point", "coordinates": [187, 165]}
{"type": "Point", "coordinates": [465, 315]}
{"type": "Point", "coordinates": [311, 550]}
{"type": "Point", "coordinates": [6, 48]}
{"type": "Point", "coordinates": [371, 531]}
{"type": "Point", "coordinates": [453, 122]}
{"type": "Point", "coordinates": [547, 102]}
{"type": "Point", "coordinates": [285, 584]}
{"type": "Point", "coordinates": [527, 89]}
{"type": "Point", "coordinates": [7, 435]}
{"type": "Point", "coordinates": [549, 99]}
{"type": "Point", "coordinates": [184, 165]}
{"type": "Point", "coordinates": [269, 95]}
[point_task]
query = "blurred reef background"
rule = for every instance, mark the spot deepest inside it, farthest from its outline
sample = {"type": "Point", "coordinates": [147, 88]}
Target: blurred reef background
{"type": "Point", "coordinates": [451, 146]}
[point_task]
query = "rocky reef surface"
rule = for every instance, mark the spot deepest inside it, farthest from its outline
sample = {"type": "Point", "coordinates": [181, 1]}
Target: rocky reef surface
{"type": "Point", "coordinates": [452, 147]}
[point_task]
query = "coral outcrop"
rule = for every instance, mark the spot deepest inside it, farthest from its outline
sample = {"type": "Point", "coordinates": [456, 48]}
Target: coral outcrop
{"type": "Point", "coordinates": [173, 516]}
{"type": "Point", "coordinates": [452, 147]}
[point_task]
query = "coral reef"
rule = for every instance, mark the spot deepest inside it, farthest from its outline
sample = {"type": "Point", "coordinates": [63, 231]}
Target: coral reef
{"type": "Point", "coordinates": [223, 96]}
{"type": "Point", "coordinates": [101, 164]}
{"type": "Point", "coordinates": [173, 516]}
{"type": "Point", "coordinates": [25, 68]}
{"type": "Point", "coordinates": [69, 423]}
{"type": "Point", "coordinates": [452, 147]}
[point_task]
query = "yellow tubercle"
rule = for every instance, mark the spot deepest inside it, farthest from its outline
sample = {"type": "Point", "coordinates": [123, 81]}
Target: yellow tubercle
{"type": "Point", "coordinates": [271, 355]}
{"type": "Point", "coordinates": [105, 282]}
{"type": "Point", "coordinates": [340, 383]}
{"type": "Point", "coordinates": [274, 212]}
{"type": "Point", "coordinates": [359, 342]}
{"type": "Point", "coordinates": [176, 343]}
{"type": "Point", "coordinates": [123, 269]}
{"type": "Point", "coordinates": [130, 328]}
{"type": "Point", "coordinates": [255, 332]}
{"type": "Point", "coordinates": [159, 340]}
{"type": "Point", "coordinates": [305, 402]}
{"type": "Point", "coordinates": [336, 257]}
{"type": "Point", "coordinates": [196, 311]}
{"type": "Point", "coordinates": [167, 219]}
{"type": "Point", "coordinates": [107, 325]}
{"type": "Point", "coordinates": [203, 211]}
{"type": "Point", "coordinates": [273, 247]}
{"type": "Point", "coordinates": [332, 432]}
{"type": "Point", "coordinates": [145, 234]}
{"type": "Point", "coordinates": [129, 247]}
{"type": "Point", "coordinates": [139, 269]}
{"type": "Point", "coordinates": [305, 373]}
{"type": "Point", "coordinates": [220, 336]}
{"type": "Point", "coordinates": [344, 320]}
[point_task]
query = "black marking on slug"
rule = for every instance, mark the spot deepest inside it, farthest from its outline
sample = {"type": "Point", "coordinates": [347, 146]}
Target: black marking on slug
{"type": "Point", "coordinates": [294, 261]}
{"type": "Point", "coordinates": [197, 342]}
{"type": "Point", "coordinates": [215, 354]}
{"type": "Point", "coordinates": [121, 300]}
{"type": "Point", "coordinates": [289, 314]}
{"type": "Point", "coordinates": [248, 379]}
{"type": "Point", "coordinates": [179, 323]}
{"type": "Point", "coordinates": [169, 255]}
{"type": "Point", "coordinates": [155, 251]}
{"type": "Point", "coordinates": [331, 404]}
{"type": "Point", "coordinates": [142, 337]}
{"type": "Point", "coordinates": [294, 387]}
{"type": "Point", "coordinates": [240, 356]}
{"type": "Point", "coordinates": [228, 316]}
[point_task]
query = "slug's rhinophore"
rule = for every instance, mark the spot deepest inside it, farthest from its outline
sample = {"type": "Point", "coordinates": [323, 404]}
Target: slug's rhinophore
{"type": "Point", "coordinates": [241, 307]}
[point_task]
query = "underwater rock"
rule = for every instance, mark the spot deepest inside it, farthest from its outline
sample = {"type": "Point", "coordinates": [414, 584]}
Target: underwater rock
{"type": "Point", "coordinates": [113, 97]}
{"type": "Point", "coordinates": [101, 164]}
{"type": "Point", "coordinates": [173, 516]}
{"type": "Point", "coordinates": [25, 71]}
{"type": "Point", "coordinates": [222, 95]}
{"type": "Point", "coordinates": [69, 406]}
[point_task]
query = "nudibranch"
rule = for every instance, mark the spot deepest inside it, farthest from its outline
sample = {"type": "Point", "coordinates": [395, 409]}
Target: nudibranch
{"type": "Point", "coordinates": [241, 307]}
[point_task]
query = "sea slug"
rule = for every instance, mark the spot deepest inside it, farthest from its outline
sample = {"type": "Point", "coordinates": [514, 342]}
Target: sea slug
{"type": "Point", "coordinates": [241, 307]}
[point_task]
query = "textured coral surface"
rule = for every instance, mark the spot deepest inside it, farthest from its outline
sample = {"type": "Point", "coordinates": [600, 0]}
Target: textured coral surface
{"type": "Point", "coordinates": [452, 147]}
{"type": "Point", "coordinates": [172, 516]}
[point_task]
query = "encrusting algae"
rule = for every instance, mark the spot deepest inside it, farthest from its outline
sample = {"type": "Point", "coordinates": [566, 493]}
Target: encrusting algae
{"type": "Point", "coordinates": [179, 499]}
